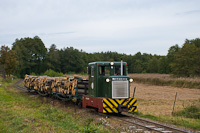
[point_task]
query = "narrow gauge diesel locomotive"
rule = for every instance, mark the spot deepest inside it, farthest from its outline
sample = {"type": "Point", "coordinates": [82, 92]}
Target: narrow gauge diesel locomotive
{"type": "Point", "coordinates": [107, 90]}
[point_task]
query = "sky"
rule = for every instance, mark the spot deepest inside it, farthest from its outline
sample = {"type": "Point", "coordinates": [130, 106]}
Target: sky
{"type": "Point", "coordinates": [123, 26]}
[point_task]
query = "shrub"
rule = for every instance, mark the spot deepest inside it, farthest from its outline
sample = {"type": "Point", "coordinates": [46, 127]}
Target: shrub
{"type": "Point", "coordinates": [32, 73]}
{"type": "Point", "coordinates": [52, 73]}
{"type": "Point", "coordinates": [192, 111]}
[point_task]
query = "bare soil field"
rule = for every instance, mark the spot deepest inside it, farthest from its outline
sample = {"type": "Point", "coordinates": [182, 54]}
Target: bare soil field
{"type": "Point", "coordinates": [159, 100]}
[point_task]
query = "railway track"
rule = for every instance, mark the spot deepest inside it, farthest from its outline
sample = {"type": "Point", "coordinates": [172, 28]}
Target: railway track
{"type": "Point", "coordinates": [24, 89]}
{"type": "Point", "coordinates": [138, 124]}
{"type": "Point", "coordinates": [18, 86]}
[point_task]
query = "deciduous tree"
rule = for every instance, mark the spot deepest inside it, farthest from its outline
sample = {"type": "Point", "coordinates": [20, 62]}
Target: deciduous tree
{"type": "Point", "coordinates": [186, 61]}
{"type": "Point", "coordinates": [53, 58]}
{"type": "Point", "coordinates": [31, 53]}
{"type": "Point", "coordinates": [8, 60]}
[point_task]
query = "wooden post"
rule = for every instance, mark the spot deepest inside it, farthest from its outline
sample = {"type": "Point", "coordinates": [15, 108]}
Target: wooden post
{"type": "Point", "coordinates": [134, 92]}
{"type": "Point", "coordinates": [174, 103]}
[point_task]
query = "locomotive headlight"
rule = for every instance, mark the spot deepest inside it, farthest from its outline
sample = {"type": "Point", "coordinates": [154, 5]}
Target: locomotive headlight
{"type": "Point", "coordinates": [111, 63]}
{"type": "Point", "coordinates": [107, 80]}
{"type": "Point", "coordinates": [131, 80]}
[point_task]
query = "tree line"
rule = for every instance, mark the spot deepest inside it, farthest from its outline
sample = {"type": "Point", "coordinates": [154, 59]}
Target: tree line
{"type": "Point", "coordinates": [30, 55]}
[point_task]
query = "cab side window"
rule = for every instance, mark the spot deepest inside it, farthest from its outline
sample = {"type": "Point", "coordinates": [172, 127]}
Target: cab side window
{"type": "Point", "coordinates": [104, 70]}
{"type": "Point", "coordinates": [101, 70]}
{"type": "Point", "coordinates": [89, 70]}
{"type": "Point", "coordinates": [117, 70]}
{"type": "Point", "coordinates": [92, 71]}
{"type": "Point", "coordinates": [107, 71]}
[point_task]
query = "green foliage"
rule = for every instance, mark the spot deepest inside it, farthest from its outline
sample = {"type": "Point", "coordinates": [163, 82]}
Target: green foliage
{"type": "Point", "coordinates": [53, 59]}
{"type": "Point", "coordinates": [196, 42]}
{"type": "Point", "coordinates": [163, 65]}
{"type": "Point", "coordinates": [52, 73]}
{"type": "Point", "coordinates": [186, 61]}
{"type": "Point", "coordinates": [170, 57]}
{"type": "Point", "coordinates": [72, 60]}
{"type": "Point", "coordinates": [153, 65]}
{"type": "Point", "coordinates": [8, 61]}
{"type": "Point", "coordinates": [192, 111]}
{"type": "Point", "coordinates": [138, 63]}
{"type": "Point", "coordinates": [32, 73]}
{"type": "Point", "coordinates": [31, 54]}
{"type": "Point", "coordinates": [89, 127]}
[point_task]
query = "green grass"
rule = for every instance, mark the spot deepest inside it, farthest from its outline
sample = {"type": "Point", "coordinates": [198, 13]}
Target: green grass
{"type": "Point", "coordinates": [22, 113]}
{"type": "Point", "coordinates": [175, 83]}
{"type": "Point", "coordinates": [176, 120]}
{"type": "Point", "coordinates": [192, 111]}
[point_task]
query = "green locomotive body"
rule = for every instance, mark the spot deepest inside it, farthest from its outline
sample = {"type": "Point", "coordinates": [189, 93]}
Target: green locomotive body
{"type": "Point", "coordinates": [109, 88]}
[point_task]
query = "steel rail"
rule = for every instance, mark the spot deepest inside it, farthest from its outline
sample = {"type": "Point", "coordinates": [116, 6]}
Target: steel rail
{"type": "Point", "coordinates": [157, 124]}
{"type": "Point", "coordinates": [140, 125]}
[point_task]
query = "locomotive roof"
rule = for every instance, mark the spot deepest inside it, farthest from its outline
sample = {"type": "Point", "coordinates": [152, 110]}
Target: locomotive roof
{"type": "Point", "coordinates": [106, 62]}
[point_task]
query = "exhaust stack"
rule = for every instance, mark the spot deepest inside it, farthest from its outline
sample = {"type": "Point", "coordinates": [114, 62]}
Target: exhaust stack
{"type": "Point", "coordinates": [121, 67]}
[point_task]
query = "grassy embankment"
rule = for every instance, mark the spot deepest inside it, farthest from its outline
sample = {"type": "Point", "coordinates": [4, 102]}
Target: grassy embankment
{"type": "Point", "coordinates": [22, 113]}
{"type": "Point", "coordinates": [166, 79]}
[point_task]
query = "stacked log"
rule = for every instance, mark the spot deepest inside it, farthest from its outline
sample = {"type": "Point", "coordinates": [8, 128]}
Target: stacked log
{"type": "Point", "coordinates": [63, 85]}
{"type": "Point", "coordinates": [38, 83]}
{"type": "Point", "coordinates": [29, 81]}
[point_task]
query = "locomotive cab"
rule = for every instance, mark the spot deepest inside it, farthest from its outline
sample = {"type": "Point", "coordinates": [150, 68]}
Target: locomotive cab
{"type": "Point", "coordinates": [109, 88]}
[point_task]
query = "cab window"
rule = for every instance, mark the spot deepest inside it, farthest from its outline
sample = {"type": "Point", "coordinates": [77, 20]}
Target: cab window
{"type": "Point", "coordinates": [104, 70]}
{"type": "Point", "coordinates": [92, 71]}
{"type": "Point", "coordinates": [117, 70]}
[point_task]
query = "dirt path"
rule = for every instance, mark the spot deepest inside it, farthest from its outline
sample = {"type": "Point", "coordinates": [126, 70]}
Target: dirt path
{"type": "Point", "coordinates": [158, 100]}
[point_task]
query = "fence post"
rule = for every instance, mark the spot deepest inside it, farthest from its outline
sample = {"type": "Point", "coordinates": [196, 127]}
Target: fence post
{"type": "Point", "coordinates": [134, 92]}
{"type": "Point", "coordinates": [174, 103]}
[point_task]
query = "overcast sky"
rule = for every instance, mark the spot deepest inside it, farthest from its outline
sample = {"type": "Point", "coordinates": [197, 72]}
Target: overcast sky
{"type": "Point", "coordinates": [124, 26]}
